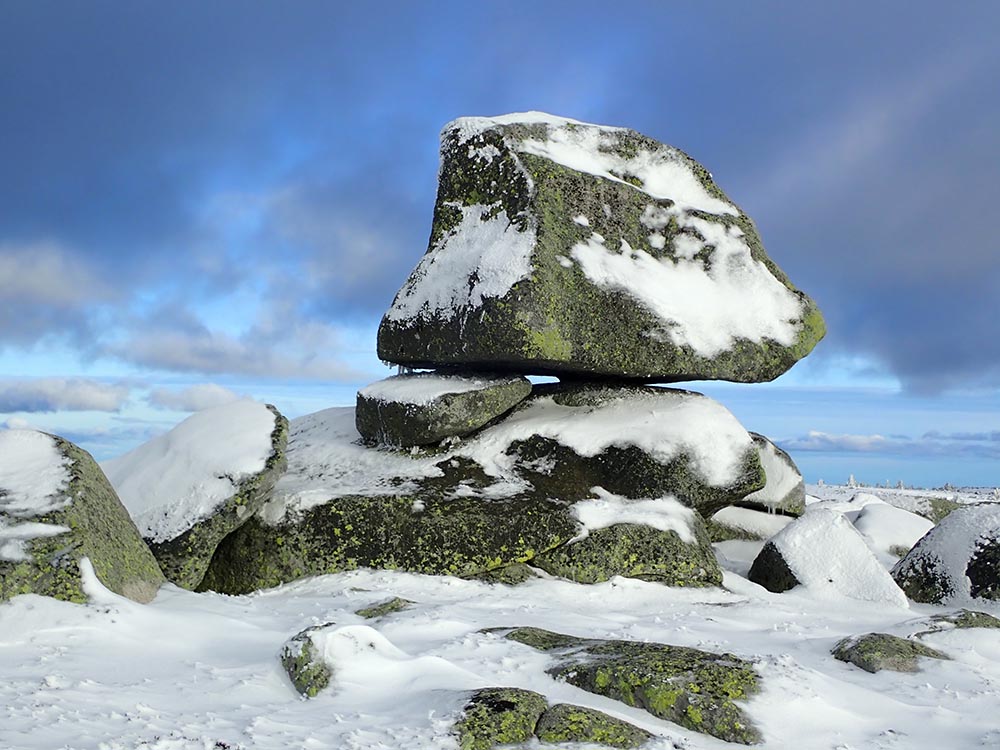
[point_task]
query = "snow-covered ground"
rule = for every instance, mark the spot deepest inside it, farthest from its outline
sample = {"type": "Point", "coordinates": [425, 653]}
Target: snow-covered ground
{"type": "Point", "coordinates": [202, 671]}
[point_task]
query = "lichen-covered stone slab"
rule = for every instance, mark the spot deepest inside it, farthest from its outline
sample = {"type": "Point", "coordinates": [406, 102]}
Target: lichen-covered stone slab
{"type": "Point", "coordinates": [565, 722]}
{"type": "Point", "coordinates": [183, 536]}
{"type": "Point", "coordinates": [824, 552]}
{"type": "Point", "coordinates": [57, 507]}
{"type": "Point", "coordinates": [785, 489]}
{"type": "Point", "coordinates": [637, 442]}
{"type": "Point", "coordinates": [425, 408]}
{"type": "Point", "coordinates": [459, 536]}
{"type": "Point", "coordinates": [388, 607]}
{"type": "Point", "coordinates": [696, 689]}
{"type": "Point", "coordinates": [637, 551]}
{"type": "Point", "coordinates": [499, 716]}
{"type": "Point", "coordinates": [958, 560]}
{"type": "Point", "coordinates": [874, 652]}
{"type": "Point", "coordinates": [559, 247]}
{"type": "Point", "coordinates": [304, 663]}
{"type": "Point", "coordinates": [964, 618]}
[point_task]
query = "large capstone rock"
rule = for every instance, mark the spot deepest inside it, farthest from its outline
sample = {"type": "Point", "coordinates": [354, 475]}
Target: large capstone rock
{"type": "Point", "coordinates": [190, 488]}
{"type": "Point", "coordinates": [958, 560]}
{"type": "Point", "coordinates": [785, 490]}
{"type": "Point", "coordinates": [825, 553]}
{"type": "Point", "coordinates": [653, 539]}
{"type": "Point", "coordinates": [424, 408]}
{"type": "Point", "coordinates": [559, 247]}
{"type": "Point", "coordinates": [696, 689]}
{"type": "Point", "coordinates": [56, 508]}
{"type": "Point", "coordinates": [874, 652]}
{"type": "Point", "coordinates": [637, 442]}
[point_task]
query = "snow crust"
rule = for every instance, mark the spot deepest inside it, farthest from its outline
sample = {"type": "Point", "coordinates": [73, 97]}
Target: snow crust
{"type": "Point", "coordinates": [470, 127]}
{"type": "Point", "coordinates": [483, 257]}
{"type": "Point", "coordinates": [33, 482]}
{"type": "Point", "coordinates": [736, 297]}
{"type": "Point", "coordinates": [607, 509]}
{"type": "Point", "coordinates": [423, 388]}
{"type": "Point", "coordinates": [782, 477]}
{"type": "Point", "coordinates": [830, 557]}
{"type": "Point", "coordinates": [886, 527]}
{"type": "Point", "coordinates": [178, 479]}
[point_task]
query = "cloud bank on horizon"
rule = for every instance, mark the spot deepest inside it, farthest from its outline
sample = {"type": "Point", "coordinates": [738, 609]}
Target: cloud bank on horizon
{"type": "Point", "coordinates": [231, 192]}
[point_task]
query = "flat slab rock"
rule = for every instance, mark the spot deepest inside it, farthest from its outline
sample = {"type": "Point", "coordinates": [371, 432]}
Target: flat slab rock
{"type": "Point", "coordinates": [560, 247]}
{"type": "Point", "coordinates": [874, 652]}
{"type": "Point", "coordinates": [56, 508]}
{"type": "Point", "coordinates": [958, 560]}
{"type": "Point", "coordinates": [425, 408]}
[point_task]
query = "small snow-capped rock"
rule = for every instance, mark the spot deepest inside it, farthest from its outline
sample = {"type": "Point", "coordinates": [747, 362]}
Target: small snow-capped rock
{"type": "Point", "coordinates": [424, 408]}
{"type": "Point", "coordinates": [823, 552]}
{"type": "Point", "coordinates": [957, 560]}
{"type": "Point", "coordinates": [785, 490]}
{"type": "Point", "coordinates": [890, 531]}
{"type": "Point", "coordinates": [874, 652]}
{"type": "Point", "coordinates": [530, 270]}
{"type": "Point", "coordinates": [57, 508]}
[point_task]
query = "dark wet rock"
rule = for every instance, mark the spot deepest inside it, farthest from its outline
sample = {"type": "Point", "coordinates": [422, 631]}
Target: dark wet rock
{"type": "Point", "coordinates": [874, 652]}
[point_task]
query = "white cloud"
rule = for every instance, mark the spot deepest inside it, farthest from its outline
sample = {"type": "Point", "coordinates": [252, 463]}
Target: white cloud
{"type": "Point", "coordinates": [62, 394]}
{"type": "Point", "coordinates": [194, 398]}
{"type": "Point", "coordinates": [984, 445]}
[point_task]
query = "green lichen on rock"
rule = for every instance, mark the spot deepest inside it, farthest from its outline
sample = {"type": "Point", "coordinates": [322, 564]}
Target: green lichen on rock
{"type": "Point", "coordinates": [100, 529]}
{"type": "Point", "coordinates": [386, 419]}
{"type": "Point", "coordinates": [637, 551]}
{"type": "Point", "coordinates": [185, 558]}
{"type": "Point", "coordinates": [556, 319]}
{"type": "Point", "coordinates": [389, 606]}
{"type": "Point", "coordinates": [304, 664]}
{"type": "Point", "coordinates": [499, 716]}
{"type": "Point", "coordinates": [696, 689]}
{"type": "Point", "coordinates": [874, 652]}
{"type": "Point", "coordinates": [564, 722]}
{"type": "Point", "coordinates": [966, 618]}
{"type": "Point", "coordinates": [462, 536]}
{"type": "Point", "coordinates": [511, 575]}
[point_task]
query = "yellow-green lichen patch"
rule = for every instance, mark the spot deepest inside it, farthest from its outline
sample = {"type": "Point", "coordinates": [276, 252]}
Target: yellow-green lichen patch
{"type": "Point", "coordinates": [499, 716]}
{"type": "Point", "coordinates": [304, 665]}
{"type": "Point", "coordinates": [567, 723]}
{"type": "Point", "coordinates": [874, 652]}
{"type": "Point", "coordinates": [388, 607]}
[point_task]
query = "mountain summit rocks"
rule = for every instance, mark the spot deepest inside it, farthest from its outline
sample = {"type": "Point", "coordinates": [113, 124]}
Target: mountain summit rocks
{"type": "Point", "coordinates": [563, 248]}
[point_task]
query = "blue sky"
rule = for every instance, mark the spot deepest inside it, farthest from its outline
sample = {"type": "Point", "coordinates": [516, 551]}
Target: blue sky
{"type": "Point", "coordinates": [230, 194]}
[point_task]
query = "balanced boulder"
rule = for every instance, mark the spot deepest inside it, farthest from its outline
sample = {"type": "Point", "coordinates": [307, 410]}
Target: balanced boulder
{"type": "Point", "coordinates": [559, 247]}
{"type": "Point", "coordinates": [424, 408]}
{"type": "Point", "coordinates": [785, 490]}
{"type": "Point", "coordinates": [190, 488]}
{"type": "Point", "coordinates": [957, 560]}
{"type": "Point", "coordinates": [56, 508]}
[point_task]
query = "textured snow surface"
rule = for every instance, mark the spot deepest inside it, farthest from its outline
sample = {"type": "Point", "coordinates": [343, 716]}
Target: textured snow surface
{"type": "Point", "coordinates": [178, 479]}
{"type": "Point", "coordinates": [782, 477]}
{"type": "Point", "coordinates": [886, 527]}
{"type": "Point", "coordinates": [482, 257]}
{"type": "Point", "coordinates": [33, 479]}
{"type": "Point", "coordinates": [828, 555]}
{"type": "Point", "coordinates": [423, 388]}
{"type": "Point", "coordinates": [607, 509]}
{"type": "Point", "coordinates": [195, 671]}
{"type": "Point", "coordinates": [951, 544]}
{"type": "Point", "coordinates": [326, 461]}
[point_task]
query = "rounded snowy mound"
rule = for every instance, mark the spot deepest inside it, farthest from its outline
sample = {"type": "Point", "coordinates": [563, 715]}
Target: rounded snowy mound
{"type": "Point", "coordinates": [957, 560]}
{"type": "Point", "coordinates": [563, 247]}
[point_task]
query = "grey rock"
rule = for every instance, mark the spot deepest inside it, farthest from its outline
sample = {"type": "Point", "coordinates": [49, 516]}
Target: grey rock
{"type": "Point", "coordinates": [874, 652]}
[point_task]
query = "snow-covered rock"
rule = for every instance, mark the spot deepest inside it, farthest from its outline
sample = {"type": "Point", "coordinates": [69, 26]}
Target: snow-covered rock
{"type": "Point", "coordinates": [57, 508]}
{"type": "Point", "coordinates": [563, 247]}
{"type": "Point", "coordinates": [956, 561]}
{"type": "Point", "coordinates": [189, 488]}
{"type": "Point", "coordinates": [823, 552]}
{"type": "Point", "coordinates": [785, 489]}
{"type": "Point", "coordinates": [890, 531]}
{"type": "Point", "coordinates": [743, 523]}
{"type": "Point", "coordinates": [424, 408]}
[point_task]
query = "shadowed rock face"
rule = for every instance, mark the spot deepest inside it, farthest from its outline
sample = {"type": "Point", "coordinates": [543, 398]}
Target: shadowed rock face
{"type": "Point", "coordinates": [98, 528]}
{"type": "Point", "coordinates": [592, 241]}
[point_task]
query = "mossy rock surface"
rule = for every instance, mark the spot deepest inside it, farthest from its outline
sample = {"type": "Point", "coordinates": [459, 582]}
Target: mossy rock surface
{"type": "Point", "coordinates": [957, 560]}
{"type": "Point", "coordinates": [100, 529]}
{"type": "Point", "coordinates": [387, 413]}
{"type": "Point", "coordinates": [303, 663]}
{"type": "Point", "coordinates": [511, 575]}
{"type": "Point", "coordinates": [696, 689]}
{"type": "Point", "coordinates": [637, 551]}
{"type": "Point", "coordinates": [185, 558]}
{"type": "Point", "coordinates": [499, 716]}
{"type": "Point", "coordinates": [874, 652]}
{"type": "Point", "coordinates": [463, 537]}
{"type": "Point", "coordinates": [388, 607]}
{"type": "Point", "coordinates": [965, 618]}
{"type": "Point", "coordinates": [553, 311]}
{"type": "Point", "coordinates": [785, 489]}
{"type": "Point", "coordinates": [564, 722]}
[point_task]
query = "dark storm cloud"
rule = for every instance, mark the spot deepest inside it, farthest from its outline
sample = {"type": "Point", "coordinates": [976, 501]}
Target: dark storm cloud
{"type": "Point", "coordinates": [292, 148]}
